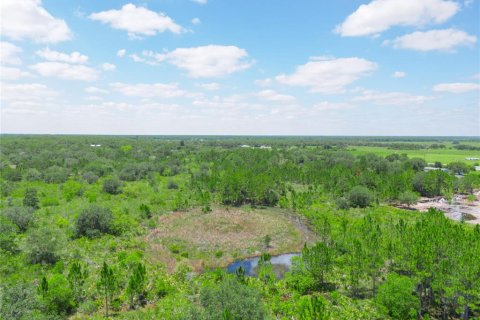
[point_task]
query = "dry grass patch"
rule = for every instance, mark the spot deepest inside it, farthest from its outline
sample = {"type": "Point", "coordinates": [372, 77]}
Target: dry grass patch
{"type": "Point", "coordinates": [219, 237]}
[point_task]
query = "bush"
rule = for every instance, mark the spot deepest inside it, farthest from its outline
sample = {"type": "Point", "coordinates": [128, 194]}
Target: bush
{"type": "Point", "coordinates": [42, 246]}
{"type": "Point", "coordinates": [8, 231]}
{"type": "Point", "coordinates": [112, 186]}
{"type": "Point", "coordinates": [33, 174]}
{"type": "Point", "coordinates": [59, 297]}
{"type": "Point", "coordinates": [56, 174]}
{"type": "Point", "coordinates": [172, 185]}
{"type": "Point", "coordinates": [396, 296]}
{"type": "Point", "coordinates": [72, 189]}
{"type": "Point", "coordinates": [234, 298]}
{"type": "Point", "coordinates": [94, 221]}
{"type": "Point", "coordinates": [342, 203]}
{"type": "Point", "coordinates": [134, 171]}
{"type": "Point", "coordinates": [90, 177]}
{"type": "Point", "coordinates": [408, 198]}
{"type": "Point", "coordinates": [360, 196]}
{"type": "Point", "coordinates": [21, 217]}
{"type": "Point", "coordinates": [11, 174]}
{"type": "Point", "coordinates": [18, 301]}
{"type": "Point", "coordinates": [31, 199]}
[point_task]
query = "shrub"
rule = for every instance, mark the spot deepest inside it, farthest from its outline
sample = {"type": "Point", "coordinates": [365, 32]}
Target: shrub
{"type": "Point", "coordinates": [8, 231]}
{"type": "Point", "coordinates": [33, 174]}
{"type": "Point", "coordinates": [234, 298]}
{"type": "Point", "coordinates": [396, 296]}
{"type": "Point", "coordinates": [56, 174]}
{"type": "Point", "coordinates": [112, 186]}
{"type": "Point", "coordinates": [42, 246]}
{"type": "Point", "coordinates": [360, 196]}
{"type": "Point", "coordinates": [172, 185]}
{"type": "Point", "coordinates": [408, 198]}
{"type": "Point", "coordinates": [11, 174]}
{"type": "Point", "coordinates": [93, 221]}
{"type": "Point", "coordinates": [21, 217]}
{"type": "Point", "coordinates": [18, 301]}
{"type": "Point", "coordinates": [30, 199]}
{"type": "Point", "coordinates": [71, 189]}
{"type": "Point", "coordinates": [59, 297]}
{"type": "Point", "coordinates": [90, 177]}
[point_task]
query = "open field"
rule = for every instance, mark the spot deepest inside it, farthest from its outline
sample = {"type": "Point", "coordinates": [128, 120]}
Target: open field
{"type": "Point", "coordinates": [429, 155]}
{"type": "Point", "coordinates": [217, 238]}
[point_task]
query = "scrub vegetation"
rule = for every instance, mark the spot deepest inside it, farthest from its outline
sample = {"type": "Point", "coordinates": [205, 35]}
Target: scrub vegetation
{"type": "Point", "coordinates": [144, 227]}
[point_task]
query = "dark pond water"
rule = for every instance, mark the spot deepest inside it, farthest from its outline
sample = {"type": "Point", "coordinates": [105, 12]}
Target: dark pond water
{"type": "Point", "coordinates": [280, 264]}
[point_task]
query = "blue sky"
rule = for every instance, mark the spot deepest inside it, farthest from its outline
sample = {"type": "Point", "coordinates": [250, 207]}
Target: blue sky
{"type": "Point", "coordinates": [382, 67]}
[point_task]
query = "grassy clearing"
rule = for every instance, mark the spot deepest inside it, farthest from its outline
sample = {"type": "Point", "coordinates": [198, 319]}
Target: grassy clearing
{"type": "Point", "coordinates": [429, 155]}
{"type": "Point", "coordinates": [214, 239]}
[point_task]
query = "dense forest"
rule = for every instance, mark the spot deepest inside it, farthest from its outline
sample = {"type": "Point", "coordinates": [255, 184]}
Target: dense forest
{"type": "Point", "coordinates": [78, 215]}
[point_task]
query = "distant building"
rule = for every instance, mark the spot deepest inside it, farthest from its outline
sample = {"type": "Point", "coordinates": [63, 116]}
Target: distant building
{"type": "Point", "coordinates": [244, 146]}
{"type": "Point", "coordinates": [95, 145]}
{"type": "Point", "coordinates": [473, 159]}
{"type": "Point", "coordinates": [477, 168]}
{"type": "Point", "coordinates": [265, 147]}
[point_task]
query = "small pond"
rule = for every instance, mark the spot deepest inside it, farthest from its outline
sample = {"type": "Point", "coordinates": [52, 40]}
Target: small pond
{"type": "Point", "coordinates": [280, 264]}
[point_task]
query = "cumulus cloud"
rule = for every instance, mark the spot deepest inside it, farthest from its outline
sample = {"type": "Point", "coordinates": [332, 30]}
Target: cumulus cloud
{"type": "Point", "coordinates": [210, 86]}
{"type": "Point", "coordinates": [444, 39]}
{"type": "Point", "coordinates": [272, 95]}
{"type": "Point", "coordinates": [329, 106]}
{"type": "Point", "coordinates": [211, 61]}
{"type": "Point", "coordinates": [149, 90]}
{"type": "Point", "coordinates": [51, 55]}
{"type": "Point", "coordinates": [399, 74]}
{"type": "Point", "coordinates": [9, 53]}
{"type": "Point", "coordinates": [95, 90]}
{"type": "Point", "coordinates": [263, 82]}
{"type": "Point", "coordinates": [196, 21]}
{"type": "Point", "coordinates": [65, 71]}
{"type": "Point", "coordinates": [391, 98]}
{"type": "Point", "coordinates": [27, 19]}
{"type": "Point", "coordinates": [456, 87]}
{"type": "Point", "coordinates": [108, 66]}
{"type": "Point", "coordinates": [9, 73]}
{"type": "Point", "coordinates": [328, 75]}
{"type": "Point", "coordinates": [27, 98]}
{"type": "Point", "coordinates": [121, 52]}
{"type": "Point", "coordinates": [380, 15]}
{"type": "Point", "coordinates": [137, 21]}
{"type": "Point", "coordinates": [200, 1]}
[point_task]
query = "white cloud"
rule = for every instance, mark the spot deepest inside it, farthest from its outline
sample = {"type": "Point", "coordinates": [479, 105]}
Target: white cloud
{"type": "Point", "coordinates": [65, 71]}
{"type": "Point", "coordinates": [9, 53]}
{"type": "Point", "coordinates": [26, 97]}
{"type": "Point", "coordinates": [137, 21]}
{"type": "Point", "coordinates": [328, 75]}
{"type": "Point", "coordinates": [108, 66]}
{"type": "Point", "coordinates": [8, 73]}
{"type": "Point", "coordinates": [196, 21]}
{"type": "Point", "coordinates": [27, 19]}
{"type": "Point", "coordinates": [272, 95]}
{"type": "Point", "coordinates": [445, 39]}
{"type": "Point", "coordinates": [399, 74]}
{"type": "Point", "coordinates": [95, 90]}
{"type": "Point", "coordinates": [51, 55]}
{"type": "Point", "coordinates": [263, 82]}
{"type": "Point", "coordinates": [391, 98]}
{"type": "Point", "coordinates": [381, 15]}
{"type": "Point", "coordinates": [329, 106]}
{"type": "Point", "coordinates": [210, 86]}
{"type": "Point", "coordinates": [200, 1]}
{"type": "Point", "coordinates": [146, 90]}
{"type": "Point", "coordinates": [456, 87]}
{"type": "Point", "coordinates": [121, 52]}
{"type": "Point", "coordinates": [211, 61]}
